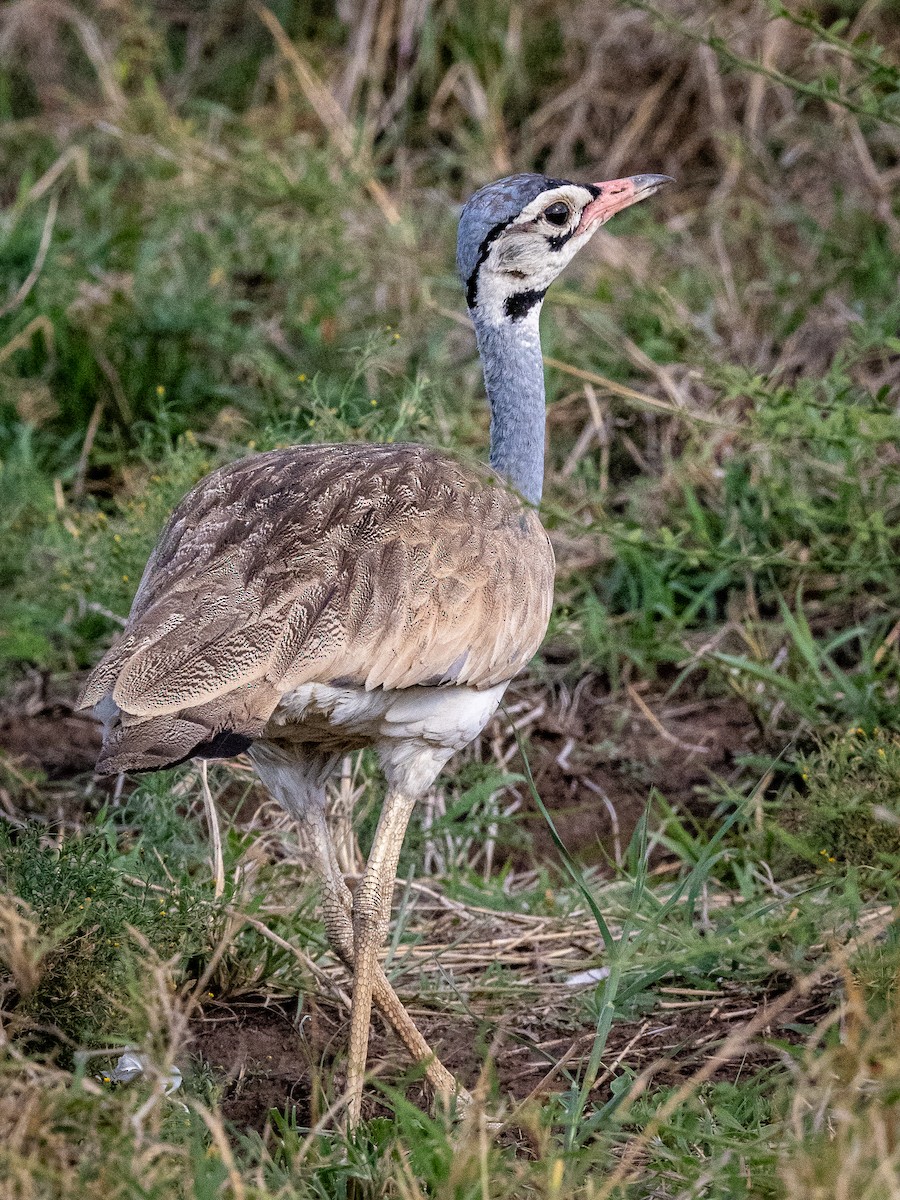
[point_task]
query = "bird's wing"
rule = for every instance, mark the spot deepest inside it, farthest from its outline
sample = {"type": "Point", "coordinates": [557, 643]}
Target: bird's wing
{"type": "Point", "coordinates": [376, 566]}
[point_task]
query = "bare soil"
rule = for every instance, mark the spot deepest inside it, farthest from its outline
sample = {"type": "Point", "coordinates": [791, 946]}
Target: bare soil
{"type": "Point", "coordinates": [596, 757]}
{"type": "Point", "coordinates": [263, 1061]}
{"type": "Point", "coordinates": [259, 1059]}
{"type": "Point", "coordinates": [41, 731]}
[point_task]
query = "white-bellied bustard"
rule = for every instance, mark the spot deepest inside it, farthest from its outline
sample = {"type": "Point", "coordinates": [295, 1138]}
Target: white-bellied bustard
{"type": "Point", "coordinates": [308, 602]}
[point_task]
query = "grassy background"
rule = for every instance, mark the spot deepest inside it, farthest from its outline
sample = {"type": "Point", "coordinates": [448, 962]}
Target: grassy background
{"type": "Point", "coordinates": [225, 228]}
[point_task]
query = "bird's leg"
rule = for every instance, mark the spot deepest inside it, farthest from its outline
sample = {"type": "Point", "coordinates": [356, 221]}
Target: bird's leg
{"type": "Point", "coordinates": [337, 902]}
{"type": "Point", "coordinates": [369, 928]}
{"type": "Point", "coordinates": [298, 783]}
{"type": "Point", "coordinates": [337, 906]}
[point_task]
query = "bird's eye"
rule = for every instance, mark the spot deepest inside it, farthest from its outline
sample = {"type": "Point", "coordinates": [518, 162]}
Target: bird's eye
{"type": "Point", "coordinates": [558, 213]}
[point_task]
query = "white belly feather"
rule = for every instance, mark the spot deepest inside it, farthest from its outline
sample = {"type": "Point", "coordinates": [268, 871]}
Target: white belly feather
{"type": "Point", "coordinates": [415, 730]}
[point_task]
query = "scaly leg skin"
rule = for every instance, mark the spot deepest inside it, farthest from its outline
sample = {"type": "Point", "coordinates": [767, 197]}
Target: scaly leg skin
{"type": "Point", "coordinates": [369, 929]}
{"type": "Point", "coordinates": [337, 906]}
{"type": "Point", "coordinates": [298, 782]}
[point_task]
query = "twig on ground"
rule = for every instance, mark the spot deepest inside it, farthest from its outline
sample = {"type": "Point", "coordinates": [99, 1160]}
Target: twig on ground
{"type": "Point", "coordinates": [316, 971]}
{"type": "Point", "coordinates": [659, 727]}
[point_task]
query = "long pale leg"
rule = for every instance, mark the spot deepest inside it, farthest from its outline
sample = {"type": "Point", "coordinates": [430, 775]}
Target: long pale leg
{"type": "Point", "coordinates": [370, 906]}
{"type": "Point", "coordinates": [337, 904]}
{"type": "Point", "coordinates": [297, 781]}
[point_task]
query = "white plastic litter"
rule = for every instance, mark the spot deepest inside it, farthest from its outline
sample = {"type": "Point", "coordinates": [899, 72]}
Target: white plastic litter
{"type": "Point", "coordinates": [583, 978]}
{"type": "Point", "coordinates": [132, 1064]}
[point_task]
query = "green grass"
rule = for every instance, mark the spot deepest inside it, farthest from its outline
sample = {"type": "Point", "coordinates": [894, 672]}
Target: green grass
{"type": "Point", "coordinates": [729, 1137]}
{"type": "Point", "coordinates": [208, 275]}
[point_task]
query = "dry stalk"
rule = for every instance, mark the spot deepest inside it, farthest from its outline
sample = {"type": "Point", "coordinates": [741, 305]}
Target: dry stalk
{"type": "Point", "coordinates": [215, 831]}
{"type": "Point", "coordinates": [330, 114]}
{"type": "Point", "coordinates": [217, 1131]}
{"type": "Point", "coordinates": [34, 274]}
{"type": "Point", "coordinates": [86, 447]}
{"type": "Point", "coordinates": [635, 398]}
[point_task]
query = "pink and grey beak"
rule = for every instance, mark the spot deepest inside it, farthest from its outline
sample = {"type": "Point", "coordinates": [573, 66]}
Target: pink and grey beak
{"type": "Point", "coordinates": [616, 194]}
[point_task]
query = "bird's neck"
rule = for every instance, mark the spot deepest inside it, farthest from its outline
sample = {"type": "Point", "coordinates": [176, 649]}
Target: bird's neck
{"type": "Point", "coordinates": [514, 378]}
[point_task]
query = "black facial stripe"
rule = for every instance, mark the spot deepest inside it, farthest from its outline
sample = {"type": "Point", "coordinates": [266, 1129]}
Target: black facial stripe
{"type": "Point", "coordinates": [558, 240]}
{"type": "Point", "coordinates": [483, 251]}
{"type": "Point", "coordinates": [595, 191]}
{"type": "Point", "coordinates": [519, 304]}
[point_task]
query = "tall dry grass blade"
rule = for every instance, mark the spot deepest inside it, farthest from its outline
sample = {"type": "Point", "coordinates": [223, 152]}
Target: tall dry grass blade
{"type": "Point", "coordinates": [75, 156]}
{"type": "Point", "coordinates": [215, 831]}
{"type": "Point", "coordinates": [330, 113]}
{"type": "Point", "coordinates": [362, 36]}
{"type": "Point", "coordinates": [735, 1044]}
{"type": "Point", "coordinates": [34, 274]}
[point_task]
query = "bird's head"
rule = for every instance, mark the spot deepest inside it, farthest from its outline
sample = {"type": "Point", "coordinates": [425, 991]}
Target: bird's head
{"type": "Point", "coordinates": [516, 235]}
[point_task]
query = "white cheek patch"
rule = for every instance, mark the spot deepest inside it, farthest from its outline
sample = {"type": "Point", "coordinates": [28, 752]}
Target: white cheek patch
{"type": "Point", "coordinates": [523, 261]}
{"type": "Point", "coordinates": [519, 253]}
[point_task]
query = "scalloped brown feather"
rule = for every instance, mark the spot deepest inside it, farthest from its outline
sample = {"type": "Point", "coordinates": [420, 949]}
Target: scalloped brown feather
{"type": "Point", "coordinates": [376, 566]}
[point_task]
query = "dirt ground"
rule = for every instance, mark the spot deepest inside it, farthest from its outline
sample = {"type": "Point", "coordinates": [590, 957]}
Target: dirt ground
{"type": "Point", "coordinates": [595, 759]}
{"type": "Point", "coordinates": [262, 1060]}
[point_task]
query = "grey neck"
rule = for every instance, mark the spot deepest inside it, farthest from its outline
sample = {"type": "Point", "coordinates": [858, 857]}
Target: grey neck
{"type": "Point", "coordinates": [514, 378]}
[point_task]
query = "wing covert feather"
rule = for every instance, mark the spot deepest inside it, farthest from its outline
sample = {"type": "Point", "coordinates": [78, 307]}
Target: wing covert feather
{"type": "Point", "coordinates": [383, 566]}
